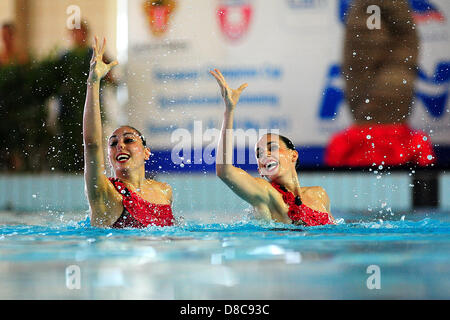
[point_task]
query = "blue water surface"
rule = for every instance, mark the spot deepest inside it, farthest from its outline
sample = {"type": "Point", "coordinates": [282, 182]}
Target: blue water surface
{"type": "Point", "coordinates": [246, 259]}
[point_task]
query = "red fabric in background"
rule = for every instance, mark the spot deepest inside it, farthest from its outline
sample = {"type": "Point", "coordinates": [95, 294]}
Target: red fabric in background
{"type": "Point", "coordinates": [393, 144]}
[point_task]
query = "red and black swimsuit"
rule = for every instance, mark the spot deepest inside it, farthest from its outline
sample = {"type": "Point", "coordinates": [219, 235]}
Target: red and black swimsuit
{"type": "Point", "coordinates": [300, 213]}
{"type": "Point", "coordinates": [139, 213]}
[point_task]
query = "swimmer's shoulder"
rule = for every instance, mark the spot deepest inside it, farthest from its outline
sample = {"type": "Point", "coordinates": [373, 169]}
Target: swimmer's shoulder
{"type": "Point", "coordinates": [316, 197]}
{"type": "Point", "coordinates": [164, 185]}
{"type": "Point", "coordinates": [165, 188]}
{"type": "Point", "coordinates": [314, 191]}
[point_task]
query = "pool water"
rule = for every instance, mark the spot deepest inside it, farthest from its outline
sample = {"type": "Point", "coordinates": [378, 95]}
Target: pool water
{"type": "Point", "coordinates": [405, 257]}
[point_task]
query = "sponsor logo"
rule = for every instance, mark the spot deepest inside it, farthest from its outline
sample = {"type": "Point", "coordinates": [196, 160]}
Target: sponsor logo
{"type": "Point", "coordinates": [423, 11]}
{"type": "Point", "coordinates": [306, 4]}
{"type": "Point", "coordinates": [158, 13]}
{"type": "Point", "coordinates": [333, 94]}
{"type": "Point", "coordinates": [434, 89]}
{"type": "Point", "coordinates": [343, 7]}
{"type": "Point", "coordinates": [431, 90]}
{"type": "Point", "coordinates": [234, 18]}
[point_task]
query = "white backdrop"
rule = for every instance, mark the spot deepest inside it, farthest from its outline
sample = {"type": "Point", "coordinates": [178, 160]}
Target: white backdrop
{"type": "Point", "coordinates": [285, 55]}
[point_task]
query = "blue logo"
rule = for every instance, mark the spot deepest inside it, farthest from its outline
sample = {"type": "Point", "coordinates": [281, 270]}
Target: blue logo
{"type": "Point", "coordinates": [343, 7]}
{"type": "Point", "coordinates": [435, 104]}
{"type": "Point", "coordinates": [333, 94]}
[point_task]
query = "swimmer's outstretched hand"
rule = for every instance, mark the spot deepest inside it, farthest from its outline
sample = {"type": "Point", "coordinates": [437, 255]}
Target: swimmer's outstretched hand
{"type": "Point", "coordinates": [230, 96]}
{"type": "Point", "coordinates": [99, 68]}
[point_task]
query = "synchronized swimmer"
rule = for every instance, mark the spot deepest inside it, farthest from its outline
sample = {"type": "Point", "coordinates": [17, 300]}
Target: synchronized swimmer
{"type": "Point", "coordinates": [131, 200]}
{"type": "Point", "coordinates": [280, 197]}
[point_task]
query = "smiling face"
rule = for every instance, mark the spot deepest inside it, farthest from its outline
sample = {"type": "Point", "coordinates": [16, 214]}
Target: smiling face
{"type": "Point", "coordinates": [275, 159]}
{"type": "Point", "coordinates": [126, 150]}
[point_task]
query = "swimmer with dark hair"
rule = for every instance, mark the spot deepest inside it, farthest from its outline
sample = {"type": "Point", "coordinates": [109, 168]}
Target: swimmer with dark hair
{"type": "Point", "coordinates": [129, 200]}
{"type": "Point", "coordinates": [277, 195]}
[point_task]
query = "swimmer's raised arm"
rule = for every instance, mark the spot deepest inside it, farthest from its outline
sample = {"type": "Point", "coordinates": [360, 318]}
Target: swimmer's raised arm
{"type": "Point", "coordinates": [101, 194]}
{"type": "Point", "coordinates": [253, 190]}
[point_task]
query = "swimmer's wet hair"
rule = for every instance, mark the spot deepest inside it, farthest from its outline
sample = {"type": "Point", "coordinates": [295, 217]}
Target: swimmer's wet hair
{"type": "Point", "coordinates": [290, 146]}
{"type": "Point", "coordinates": [287, 142]}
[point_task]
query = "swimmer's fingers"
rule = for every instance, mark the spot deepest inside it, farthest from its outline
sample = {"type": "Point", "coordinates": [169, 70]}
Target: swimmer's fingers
{"type": "Point", "coordinates": [95, 46]}
{"type": "Point", "coordinates": [102, 50]}
{"type": "Point", "coordinates": [231, 96]}
{"type": "Point", "coordinates": [215, 76]}
{"type": "Point", "coordinates": [99, 69]}
{"type": "Point", "coordinates": [99, 52]}
{"type": "Point", "coordinates": [242, 88]}
{"type": "Point", "coordinates": [93, 57]}
{"type": "Point", "coordinates": [236, 94]}
{"type": "Point", "coordinates": [94, 51]}
{"type": "Point", "coordinates": [219, 79]}
{"type": "Point", "coordinates": [113, 64]}
{"type": "Point", "coordinates": [220, 82]}
{"type": "Point", "coordinates": [220, 75]}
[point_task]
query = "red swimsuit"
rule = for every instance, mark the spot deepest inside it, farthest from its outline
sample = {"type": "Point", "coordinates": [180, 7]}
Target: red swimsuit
{"type": "Point", "coordinates": [300, 212]}
{"type": "Point", "coordinates": [139, 213]}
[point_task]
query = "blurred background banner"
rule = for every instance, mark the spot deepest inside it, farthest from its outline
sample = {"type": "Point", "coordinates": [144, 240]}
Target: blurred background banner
{"type": "Point", "coordinates": [288, 51]}
{"type": "Point", "coordinates": [283, 49]}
